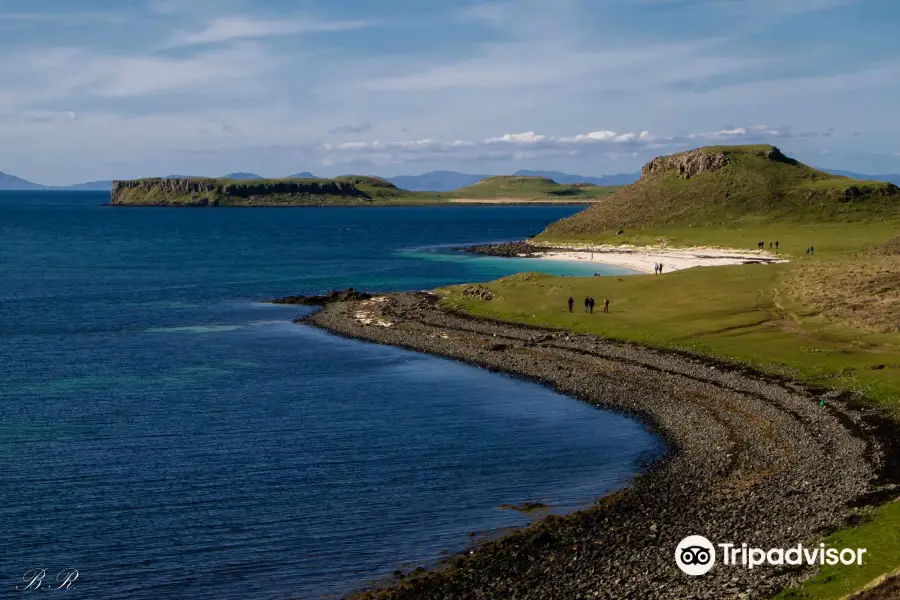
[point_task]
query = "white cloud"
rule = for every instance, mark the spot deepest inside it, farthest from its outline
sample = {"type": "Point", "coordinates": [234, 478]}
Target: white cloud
{"type": "Point", "coordinates": [54, 117]}
{"type": "Point", "coordinates": [607, 136]}
{"type": "Point", "coordinates": [490, 12]}
{"type": "Point", "coordinates": [525, 137]}
{"type": "Point", "coordinates": [225, 29]}
{"type": "Point", "coordinates": [73, 19]}
{"type": "Point", "coordinates": [531, 145]}
{"type": "Point", "coordinates": [540, 63]}
{"type": "Point", "coordinates": [64, 73]}
{"type": "Point", "coordinates": [221, 78]}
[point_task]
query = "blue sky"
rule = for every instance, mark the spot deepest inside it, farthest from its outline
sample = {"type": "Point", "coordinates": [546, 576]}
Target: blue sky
{"type": "Point", "coordinates": [103, 89]}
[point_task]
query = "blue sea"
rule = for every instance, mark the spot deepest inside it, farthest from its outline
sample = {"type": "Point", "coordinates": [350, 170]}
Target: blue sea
{"type": "Point", "coordinates": [169, 435]}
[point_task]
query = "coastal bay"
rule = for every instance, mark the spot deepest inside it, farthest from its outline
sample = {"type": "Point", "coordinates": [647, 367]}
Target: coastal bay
{"type": "Point", "coordinates": [150, 401]}
{"type": "Point", "coordinates": [753, 458]}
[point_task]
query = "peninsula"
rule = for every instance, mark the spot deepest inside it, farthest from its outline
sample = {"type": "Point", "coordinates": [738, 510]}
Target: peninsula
{"type": "Point", "coordinates": [346, 190]}
{"type": "Point", "coordinates": [776, 384]}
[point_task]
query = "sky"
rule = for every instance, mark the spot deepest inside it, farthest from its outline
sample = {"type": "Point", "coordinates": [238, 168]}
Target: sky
{"type": "Point", "coordinates": [116, 89]}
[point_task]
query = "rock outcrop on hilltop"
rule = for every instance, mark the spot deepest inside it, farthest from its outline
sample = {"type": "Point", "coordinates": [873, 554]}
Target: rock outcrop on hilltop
{"type": "Point", "coordinates": [726, 185]}
{"type": "Point", "coordinates": [687, 164]}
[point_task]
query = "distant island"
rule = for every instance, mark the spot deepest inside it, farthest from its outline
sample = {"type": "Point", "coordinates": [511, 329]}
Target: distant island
{"type": "Point", "coordinates": [433, 181]}
{"type": "Point", "coordinates": [344, 190]}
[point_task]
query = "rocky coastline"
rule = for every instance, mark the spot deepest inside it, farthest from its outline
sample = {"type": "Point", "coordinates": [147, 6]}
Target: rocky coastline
{"type": "Point", "coordinates": [752, 459]}
{"type": "Point", "coordinates": [521, 249]}
{"type": "Point", "coordinates": [323, 299]}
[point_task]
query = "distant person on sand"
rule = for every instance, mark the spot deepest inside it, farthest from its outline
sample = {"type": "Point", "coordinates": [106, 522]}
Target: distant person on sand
{"type": "Point", "coordinates": [660, 268]}
{"type": "Point", "coordinates": [591, 304]}
{"type": "Point", "coordinates": [571, 303]}
{"type": "Point", "coordinates": [606, 305]}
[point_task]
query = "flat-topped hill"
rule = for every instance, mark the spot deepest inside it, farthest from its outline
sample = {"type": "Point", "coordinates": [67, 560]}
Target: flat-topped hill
{"type": "Point", "coordinates": [366, 180]}
{"type": "Point", "coordinates": [536, 187]}
{"type": "Point", "coordinates": [341, 190]}
{"type": "Point", "coordinates": [730, 185]}
{"type": "Point", "coordinates": [348, 189]}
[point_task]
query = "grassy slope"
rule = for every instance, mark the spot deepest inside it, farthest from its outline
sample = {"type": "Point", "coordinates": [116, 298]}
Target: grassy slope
{"type": "Point", "coordinates": [731, 313]}
{"type": "Point", "coordinates": [752, 191]}
{"type": "Point", "coordinates": [748, 313]}
{"type": "Point", "coordinates": [530, 188]}
{"type": "Point", "coordinates": [238, 192]}
{"type": "Point", "coordinates": [361, 190]}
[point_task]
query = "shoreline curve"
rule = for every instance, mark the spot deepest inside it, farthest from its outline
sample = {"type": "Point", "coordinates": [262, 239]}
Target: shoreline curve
{"type": "Point", "coordinates": [752, 459]}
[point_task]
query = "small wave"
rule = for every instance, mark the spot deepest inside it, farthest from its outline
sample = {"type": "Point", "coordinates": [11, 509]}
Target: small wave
{"type": "Point", "coordinates": [194, 329]}
{"type": "Point", "coordinates": [269, 322]}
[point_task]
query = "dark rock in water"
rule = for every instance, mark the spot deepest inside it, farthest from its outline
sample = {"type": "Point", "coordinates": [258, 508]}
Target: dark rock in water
{"type": "Point", "coordinates": [507, 249]}
{"type": "Point", "coordinates": [527, 507]}
{"type": "Point", "coordinates": [332, 296]}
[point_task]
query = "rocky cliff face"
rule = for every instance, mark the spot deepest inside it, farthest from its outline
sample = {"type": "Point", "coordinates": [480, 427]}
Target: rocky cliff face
{"type": "Point", "coordinates": [212, 191]}
{"type": "Point", "coordinates": [169, 186]}
{"type": "Point", "coordinates": [686, 164]}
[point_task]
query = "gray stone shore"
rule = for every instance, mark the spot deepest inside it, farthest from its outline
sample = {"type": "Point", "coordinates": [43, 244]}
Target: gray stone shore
{"type": "Point", "coordinates": [752, 459]}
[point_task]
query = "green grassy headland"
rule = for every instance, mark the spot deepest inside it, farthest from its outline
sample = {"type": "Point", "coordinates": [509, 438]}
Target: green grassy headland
{"type": "Point", "coordinates": [829, 319]}
{"type": "Point", "coordinates": [344, 190]}
{"type": "Point", "coordinates": [730, 187]}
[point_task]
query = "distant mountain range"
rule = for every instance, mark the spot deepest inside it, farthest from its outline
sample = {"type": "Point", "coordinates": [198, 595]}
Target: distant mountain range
{"type": "Point", "coordinates": [892, 177]}
{"type": "Point", "coordinates": [558, 177]}
{"type": "Point", "coordinates": [433, 181]}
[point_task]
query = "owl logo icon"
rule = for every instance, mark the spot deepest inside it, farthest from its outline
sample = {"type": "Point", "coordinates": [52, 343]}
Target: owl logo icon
{"type": "Point", "coordinates": [695, 555]}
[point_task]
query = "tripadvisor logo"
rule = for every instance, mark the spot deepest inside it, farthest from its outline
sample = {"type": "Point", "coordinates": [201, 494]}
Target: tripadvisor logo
{"type": "Point", "coordinates": [696, 555]}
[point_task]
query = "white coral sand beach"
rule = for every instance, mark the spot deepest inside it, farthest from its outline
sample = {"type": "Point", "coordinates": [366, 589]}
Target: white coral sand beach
{"type": "Point", "coordinates": [643, 258]}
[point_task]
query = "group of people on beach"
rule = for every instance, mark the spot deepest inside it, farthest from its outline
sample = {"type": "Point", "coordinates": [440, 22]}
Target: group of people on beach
{"type": "Point", "coordinates": [589, 304]}
{"type": "Point", "coordinates": [657, 268]}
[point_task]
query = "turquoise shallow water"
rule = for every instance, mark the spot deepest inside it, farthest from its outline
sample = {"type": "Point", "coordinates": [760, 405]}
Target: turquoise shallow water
{"type": "Point", "coordinates": [169, 436]}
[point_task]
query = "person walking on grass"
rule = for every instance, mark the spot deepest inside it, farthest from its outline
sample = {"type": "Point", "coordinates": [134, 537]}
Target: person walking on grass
{"type": "Point", "coordinates": [776, 244]}
{"type": "Point", "coordinates": [587, 303]}
{"type": "Point", "coordinates": [591, 304]}
{"type": "Point", "coordinates": [606, 305]}
{"type": "Point", "coordinates": [571, 303]}
{"type": "Point", "coordinates": [812, 250]}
